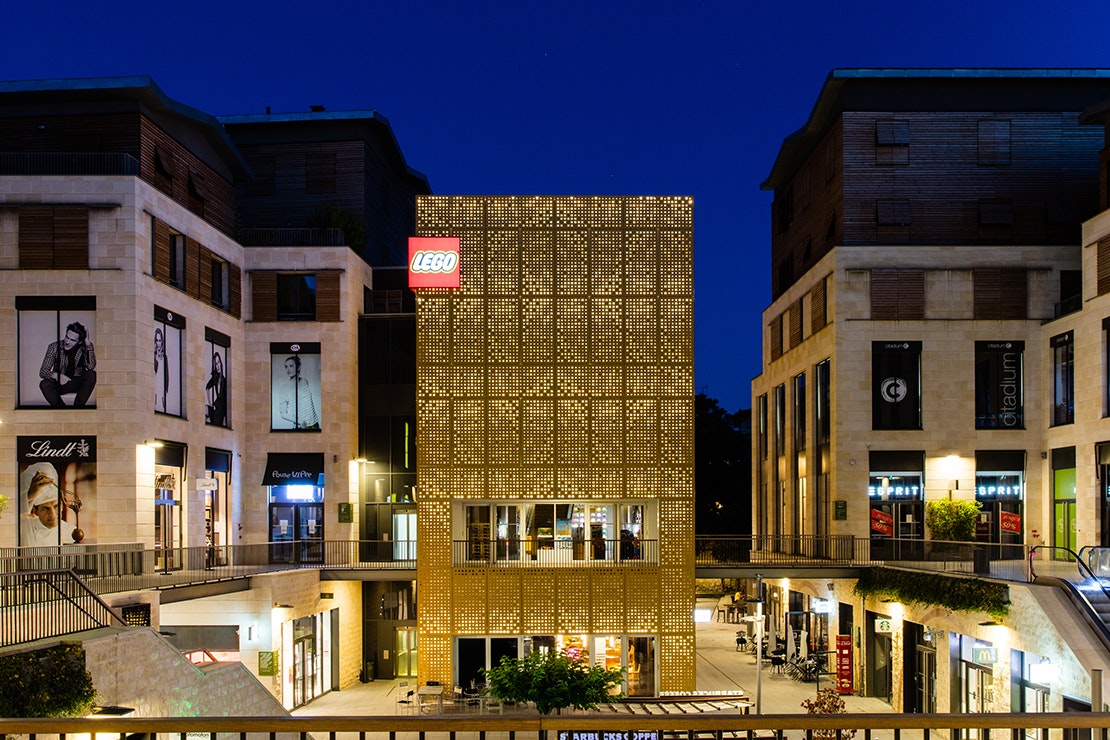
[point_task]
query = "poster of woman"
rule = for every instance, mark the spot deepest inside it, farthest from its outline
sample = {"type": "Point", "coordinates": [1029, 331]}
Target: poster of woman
{"type": "Point", "coordinates": [295, 386]}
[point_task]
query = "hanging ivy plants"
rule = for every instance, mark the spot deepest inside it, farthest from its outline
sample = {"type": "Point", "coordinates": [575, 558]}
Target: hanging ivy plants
{"type": "Point", "coordinates": [933, 589]}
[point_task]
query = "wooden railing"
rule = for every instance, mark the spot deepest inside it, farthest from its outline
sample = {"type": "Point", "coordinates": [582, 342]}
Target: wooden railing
{"type": "Point", "coordinates": [587, 726]}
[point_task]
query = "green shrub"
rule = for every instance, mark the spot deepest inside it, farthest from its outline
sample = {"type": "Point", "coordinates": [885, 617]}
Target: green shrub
{"type": "Point", "coordinates": [46, 683]}
{"type": "Point", "coordinates": [952, 519]}
{"type": "Point", "coordinates": [553, 681]}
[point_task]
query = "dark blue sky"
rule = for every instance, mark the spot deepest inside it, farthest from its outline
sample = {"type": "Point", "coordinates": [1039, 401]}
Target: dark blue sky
{"type": "Point", "coordinates": [588, 97]}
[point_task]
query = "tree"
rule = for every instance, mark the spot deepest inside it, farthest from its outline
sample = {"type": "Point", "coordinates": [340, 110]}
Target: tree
{"type": "Point", "coordinates": [553, 681]}
{"type": "Point", "coordinates": [46, 683]}
{"type": "Point", "coordinates": [952, 520]}
{"type": "Point", "coordinates": [722, 468]}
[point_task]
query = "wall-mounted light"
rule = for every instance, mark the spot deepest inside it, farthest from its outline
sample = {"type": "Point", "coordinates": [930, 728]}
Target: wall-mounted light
{"type": "Point", "coordinates": [283, 606]}
{"type": "Point", "coordinates": [155, 443]}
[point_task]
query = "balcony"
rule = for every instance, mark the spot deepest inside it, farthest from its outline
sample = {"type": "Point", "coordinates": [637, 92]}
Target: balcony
{"type": "Point", "coordinates": [67, 163]}
{"type": "Point", "coordinates": [551, 552]}
{"type": "Point", "coordinates": [292, 237]}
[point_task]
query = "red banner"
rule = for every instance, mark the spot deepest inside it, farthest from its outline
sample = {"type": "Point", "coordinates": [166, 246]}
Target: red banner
{"type": "Point", "coordinates": [843, 664]}
{"type": "Point", "coordinates": [1008, 522]}
{"type": "Point", "coordinates": [882, 522]}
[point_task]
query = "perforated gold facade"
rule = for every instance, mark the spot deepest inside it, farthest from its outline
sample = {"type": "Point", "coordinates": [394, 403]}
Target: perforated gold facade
{"type": "Point", "coordinates": [561, 370]}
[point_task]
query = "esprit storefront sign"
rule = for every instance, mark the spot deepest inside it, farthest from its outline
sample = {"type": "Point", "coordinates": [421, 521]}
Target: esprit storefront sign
{"type": "Point", "coordinates": [434, 262]}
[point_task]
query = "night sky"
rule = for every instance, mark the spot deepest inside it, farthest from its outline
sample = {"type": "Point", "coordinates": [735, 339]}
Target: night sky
{"type": "Point", "coordinates": [584, 97]}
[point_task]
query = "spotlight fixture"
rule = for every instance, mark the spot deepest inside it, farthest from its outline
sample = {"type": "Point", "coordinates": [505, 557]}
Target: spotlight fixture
{"type": "Point", "coordinates": [155, 443]}
{"type": "Point", "coordinates": [283, 606]}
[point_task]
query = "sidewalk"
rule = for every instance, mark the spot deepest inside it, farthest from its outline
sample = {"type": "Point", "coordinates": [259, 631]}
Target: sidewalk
{"type": "Point", "coordinates": [719, 667]}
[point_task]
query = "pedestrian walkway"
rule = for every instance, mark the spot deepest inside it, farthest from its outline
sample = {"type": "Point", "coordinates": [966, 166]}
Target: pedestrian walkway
{"type": "Point", "coordinates": [721, 670]}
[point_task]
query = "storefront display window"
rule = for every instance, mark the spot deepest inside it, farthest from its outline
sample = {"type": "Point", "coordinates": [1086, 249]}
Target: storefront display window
{"type": "Point", "coordinates": [999, 389]}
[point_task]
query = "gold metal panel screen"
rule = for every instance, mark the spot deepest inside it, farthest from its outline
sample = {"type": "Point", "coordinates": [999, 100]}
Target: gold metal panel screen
{"type": "Point", "coordinates": [561, 370]}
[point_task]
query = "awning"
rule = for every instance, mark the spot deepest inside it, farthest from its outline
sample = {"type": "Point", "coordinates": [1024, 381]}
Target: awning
{"type": "Point", "coordinates": [294, 468]}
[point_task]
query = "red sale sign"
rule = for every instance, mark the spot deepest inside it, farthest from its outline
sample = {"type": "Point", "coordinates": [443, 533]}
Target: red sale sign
{"type": "Point", "coordinates": [882, 522]}
{"type": "Point", "coordinates": [434, 262]}
{"type": "Point", "coordinates": [1008, 522]}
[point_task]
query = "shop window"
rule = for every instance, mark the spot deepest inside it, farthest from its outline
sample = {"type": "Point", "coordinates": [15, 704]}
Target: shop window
{"type": "Point", "coordinates": [57, 495]}
{"type": "Point", "coordinates": [823, 402]}
{"type": "Point", "coordinates": [57, 357]}
{"type": "Point", "coordinates": [1063, 379]}
{"type": "Point", "coordinates": [216, 391]}
{"type": "Point", "coordinates": [896, 385]}
{"type": "Point", "coordinates": [999, 385]}
{"type": "Point", "coordinates": [800, 412]}
{"type": "Point", "coordinates": [168, 331]}
{"type": "Point", "coordinates": [295, 387]}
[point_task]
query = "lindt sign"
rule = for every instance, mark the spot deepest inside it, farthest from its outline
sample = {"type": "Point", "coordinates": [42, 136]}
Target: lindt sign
{"type": "Point", "coordinates": [434, 262]}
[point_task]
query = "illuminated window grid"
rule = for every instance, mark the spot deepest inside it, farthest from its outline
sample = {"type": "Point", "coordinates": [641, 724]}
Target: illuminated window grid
{"type": "Point", "coordinates": [435, 421]}
{"type": "Point", "coordinates": [572, 338]}
{"type": "Point", "coordinates": [538, 431]}
{"type": "Point", "coordinates": [502, 263]}
{"type": "Point", "coordinates": [607, 337]}
{"type": "Point", "coordinates": [468, 602]}
{"type": "Point", "coordinates": [537, 381]}
{"type": "Point", "coordinates": [573, 606]}
{"type": "Point", "coordinates": [572, 259]}
{"type": "Point", "coordinates": [506, 619]}
{"type": "Point", "coordinates": [504, 432]}
{"type": "Point", "coordinates": [606, 262]}
{"type": "Point", "coordinates": [676, 431]}
{"type": "Point", "coordinates": [468, 331]}
{"type": "Point", "coordinates": [504, 381]}
{"type": "Point", "coordinates": [503, 333]}
{"type": "Point", "coordinates": [538, 602]}
{"type": "Point", "coordinates": [537, 263]}
{"type": "Point", "coordinates": [572, 431]}
{"type": "Point", "coordinates": [642, 601]}
{"type": "Point", "coordinates": [537, 330]}
{"type": "Point", "coordinates": [431, 316]}
{"type": "Point", "coordinates": [572, 380]}
{"type": "Point", "coordinates": [676, 263]}
{"type": "Point", "coordinates": [643, 482]}
{"type": "Point", "coordinates": [641, 330]}
{"type": "Point", "coordinates": [607, 597]}
{"type": "Point", "coordinates": [606, 435]}
{"type": "Point", "coordinates": [606, 381]}
{"type": "Point", "coordinates": [642, 442]}
{"type": "Point", "coordinates": [468, 432]}
{"type": "Point", "coordinates": [607, 211]}
{"type": "Point", "coordinates": [571, 483]}
{"type": "Point", "coordinates": [641, 277]}
{"type": "Point", "coordinates": [676, 336]}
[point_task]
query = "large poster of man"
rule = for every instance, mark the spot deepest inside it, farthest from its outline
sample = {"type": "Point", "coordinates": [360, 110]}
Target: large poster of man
{"type": "Point", "coordinates": [57, 358]}
{"type": "Point", "coordinates": [168, 328]}
{"type": "Point", "coordinates": [295, 386]}
{"type": "Point", "coordinates": [57, 491]}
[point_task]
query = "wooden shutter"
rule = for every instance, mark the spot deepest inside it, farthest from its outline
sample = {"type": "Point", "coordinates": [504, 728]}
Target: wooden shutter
{"type": "Point", "coordinates": [794, 314]}
{"type": "Point", "coordinates": [776, 337]}
{"type": "Point", "coordinates": [71, 238]}
{"type": "Point", "coordinates": [36, 239]}
{"type": "Point", "coordinates": [161, 251]}
{"type": "Point", "coordinates": [897, 295]}
{"type": "Point", "coordinates": [1000, 293]}
{"type": "Point", "coordinates": [327, 296]}
{"type": "Point", "coordinates": [1103, 266]}
{"type": "Point", "coordinates": [192, 267]}
{"type": "Point", "coordinates": [264, 296]}
{"type": "Point", "coordinates": [235, 290]}
{"type": "Point", "coordinates": [817, 308]}
{"type": "Point", "coordinates": [204, 265]}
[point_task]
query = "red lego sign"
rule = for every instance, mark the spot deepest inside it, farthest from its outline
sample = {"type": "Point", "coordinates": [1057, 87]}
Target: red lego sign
{"type": "Point", "coordinates": [434, 262]}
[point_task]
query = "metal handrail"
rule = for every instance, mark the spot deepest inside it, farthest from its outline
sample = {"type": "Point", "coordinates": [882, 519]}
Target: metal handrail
{"type": "Point", "coordinates": [50, 603]}
{"type": "Point", "coordinates": [527, 552]}
{"type": "Point", "coordinates": [68, 163]}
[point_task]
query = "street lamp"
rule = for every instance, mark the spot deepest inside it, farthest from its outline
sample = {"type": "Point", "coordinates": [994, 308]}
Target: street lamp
{"type": "Point", "coordinates": [758, 601]}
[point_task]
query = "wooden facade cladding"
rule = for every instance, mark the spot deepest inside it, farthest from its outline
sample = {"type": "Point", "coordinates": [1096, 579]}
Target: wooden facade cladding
{"type": "Point", "coordinates": [198, 259]}
{"type": "Point", "coordinates": [794, 319]}
{"type": "Point", "coordinates": [327, 296]}
{"type": "Point", "coordinates": [818, 306]}
{"type": "Point", "coordinates": [897, 295]}
{"type": "Point", "coordinates": [776, 337]}
{"type": "Point", "coordinates": [264, 295]}
{"type": "Point", "coordinates": [53, 238]}
{"type": "Point", "coordinates": [169, 166]}
{"type": "Point", "coordinates": [264, 290]}
{"type": "Point", "coordinates": [1001, 293]}
{"type": "Point", "coordinates": [1103, 266]}
{"type": "Point", "coordinates": [969, 178]}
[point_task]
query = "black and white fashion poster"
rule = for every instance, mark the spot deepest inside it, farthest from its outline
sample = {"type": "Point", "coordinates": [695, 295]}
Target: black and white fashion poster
{"type": "Point", "coordinates": [896, 385]}
{"type": "Point", "coordinates": [57, 354]}
{"type": "Point", "coordinates": [168, 330]}
{"type": "Point", "coordinates": [216, 383]}
{"type": "Point", "coordinates": [295, 386]}
{"type": "Point", "coordinates": [57, 491]}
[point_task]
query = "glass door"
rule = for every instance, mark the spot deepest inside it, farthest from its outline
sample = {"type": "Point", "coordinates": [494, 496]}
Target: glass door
{"type": "Point", "coordinates": [978, 696]}
{"type": "Point", "coordinates": [404, 534]}
{"type": "Point", "coordinates": [926, 680]}
{"type": "Point", "coordinates": [167, 523]}
{"type": "Point", "coordinates": [282, 529]}
{"type": "Point", "coordinates": [404, 652]}
{"type": "Point", "coordinates": [310, 531]}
